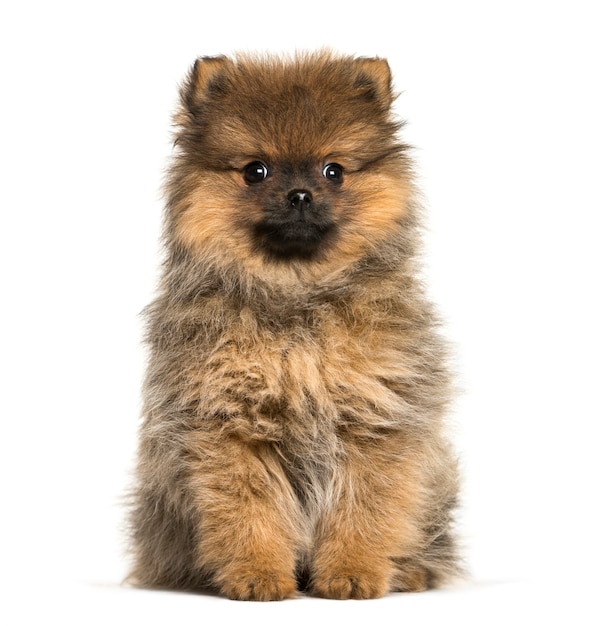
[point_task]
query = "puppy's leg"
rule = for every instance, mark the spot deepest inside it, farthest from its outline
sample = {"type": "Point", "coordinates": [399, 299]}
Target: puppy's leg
{"type": "Point", "coordinates": [250, 524]}
{"type": "Point", "coordinates": [372, 524]}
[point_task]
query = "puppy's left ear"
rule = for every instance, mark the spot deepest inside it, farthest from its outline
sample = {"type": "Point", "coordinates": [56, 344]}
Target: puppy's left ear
{"type": "Point", "coordinates": [373, 80]}
{"type": "Point", "coordinates": [207, 78]}
{"type": "Point", "coordinates": [209, 75]}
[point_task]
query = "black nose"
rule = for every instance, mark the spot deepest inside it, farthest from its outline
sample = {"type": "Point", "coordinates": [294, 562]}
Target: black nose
{"type": "Point", "coordinates": [299, 199]}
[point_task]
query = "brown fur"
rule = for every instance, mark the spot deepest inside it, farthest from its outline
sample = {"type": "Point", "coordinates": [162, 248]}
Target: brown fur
{"type": "Point", "coordinates": [292, 430]}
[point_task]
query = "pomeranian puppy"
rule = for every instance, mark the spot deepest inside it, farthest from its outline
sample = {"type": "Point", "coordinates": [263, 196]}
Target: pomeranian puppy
{"type": "Point", "coordinates": [292, 435]}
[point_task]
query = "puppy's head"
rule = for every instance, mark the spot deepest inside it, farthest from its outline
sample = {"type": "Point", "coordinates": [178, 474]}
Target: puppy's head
{"type": "Point", "coordinates": [287, 163]}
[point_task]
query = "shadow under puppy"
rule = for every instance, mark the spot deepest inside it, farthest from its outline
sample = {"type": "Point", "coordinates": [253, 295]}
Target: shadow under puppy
{"type": "Point", "coordinates": [292, 432]}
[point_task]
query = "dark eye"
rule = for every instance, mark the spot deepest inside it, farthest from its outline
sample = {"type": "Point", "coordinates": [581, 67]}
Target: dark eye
{"type": "Point", "coordinates": [255, 172]}
{"type": "Point", "coordinates": [333, 172]}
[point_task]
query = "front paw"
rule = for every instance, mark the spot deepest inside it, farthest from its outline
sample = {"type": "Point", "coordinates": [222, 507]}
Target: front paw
{"type": "Point", "coordinates": [352, 583]}
{"type": "Point", "coordinates": [258, 585]}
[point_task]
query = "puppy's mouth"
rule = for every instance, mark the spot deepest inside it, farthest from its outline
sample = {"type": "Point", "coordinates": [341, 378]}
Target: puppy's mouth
{"type": "Point", "coordinates": [296, 239]}
{"type": "Point", "coordinates": [297, 229]}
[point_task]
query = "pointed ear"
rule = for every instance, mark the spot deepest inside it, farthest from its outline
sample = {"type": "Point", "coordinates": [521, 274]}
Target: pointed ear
{"type": "Point", "coordinates": [209, 72]}
{"type": "Point", "coordinates": [373, 80]}
{"type": "Point", "coordinates": [207, 77]}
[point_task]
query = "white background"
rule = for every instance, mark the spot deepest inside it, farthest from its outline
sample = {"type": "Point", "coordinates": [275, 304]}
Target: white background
{"type": "Point", "coordinates": [496, 96]}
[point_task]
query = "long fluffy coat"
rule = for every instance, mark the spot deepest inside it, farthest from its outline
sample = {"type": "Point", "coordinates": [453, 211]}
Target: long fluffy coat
{"type": "Point", "coordinates": [293, 423]}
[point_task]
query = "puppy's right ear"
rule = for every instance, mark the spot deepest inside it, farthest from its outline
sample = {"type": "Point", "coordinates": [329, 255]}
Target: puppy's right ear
{"type": "Point", "coordinates": [207, 78]}
{"type": "Point", "coordinates": [373, 80]}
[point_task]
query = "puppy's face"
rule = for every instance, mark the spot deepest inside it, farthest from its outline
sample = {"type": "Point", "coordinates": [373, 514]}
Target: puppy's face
{"type": "Point", "coordinates": [287, 163]}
